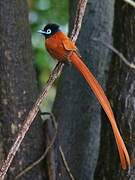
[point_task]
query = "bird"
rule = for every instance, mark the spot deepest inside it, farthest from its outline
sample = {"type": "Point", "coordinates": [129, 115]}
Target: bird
{"type": "Point", "coordinates": [62, 48]}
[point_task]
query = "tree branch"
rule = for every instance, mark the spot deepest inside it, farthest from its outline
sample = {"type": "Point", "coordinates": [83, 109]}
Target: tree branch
{"type": "Point", "coordinates": [33, 112]}
{"type": "Point", "coordinates": [66, 164]}
{"type": "Point", "coordinates": [28, 168]}
{"type": "Point", "coordinates": [78, 19]}
{"type": "Point", "coordinates": [29, 119]}
{"type": "Point", "coordinates": [113, 49]}
{"type": "Point", "coordinates": [132, 3]}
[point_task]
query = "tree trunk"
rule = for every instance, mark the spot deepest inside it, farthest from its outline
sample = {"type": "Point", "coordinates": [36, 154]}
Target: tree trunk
{"type": "Point", "coordinates": [76, 108]}
{"type": "Point", "coordinates": [18, 88]}
{"type": "Point", "coordinates": [121, 90]}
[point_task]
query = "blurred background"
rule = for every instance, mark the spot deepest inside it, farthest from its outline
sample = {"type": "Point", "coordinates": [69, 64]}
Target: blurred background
{"type": "Point", "coordinates": [83, 131]}
{"type": "Point", "coordinates": [42, 12]}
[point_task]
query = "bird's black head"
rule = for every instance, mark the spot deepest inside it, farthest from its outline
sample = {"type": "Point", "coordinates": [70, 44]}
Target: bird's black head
{"type": "Point", "coordinates": [49, 30]}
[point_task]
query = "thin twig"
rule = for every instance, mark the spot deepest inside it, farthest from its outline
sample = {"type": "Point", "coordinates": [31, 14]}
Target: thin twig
{"type": "Point", "coordinates": [43, 155]}
{"type": "Point", "coordinates": [66, 164]}
{"type": "Point", "coordinates": [122, 57]}
{"type": "Point", "coordinates": [29, 119]}
{"type": "Point", "coordinates": [33, 112]}
{"type": "Point", "coordinates": [132, 3]}
{"type": "Point", "coordinates": [78, 19]}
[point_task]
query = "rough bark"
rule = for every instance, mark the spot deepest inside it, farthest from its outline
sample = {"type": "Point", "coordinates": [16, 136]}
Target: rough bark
{"type": "Point", "coordinates": [76, 109]}
{"type": "Point", "coordinates": [121, 90]}
{"type": "Point", "coordinates": [18, 88]}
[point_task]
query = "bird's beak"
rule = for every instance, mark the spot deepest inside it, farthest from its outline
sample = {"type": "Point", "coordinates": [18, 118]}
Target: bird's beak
{"type": "Point", "coordinates": [41, 32]}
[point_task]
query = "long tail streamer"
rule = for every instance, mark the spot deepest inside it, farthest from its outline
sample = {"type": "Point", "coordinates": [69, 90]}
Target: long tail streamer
{"type": "Point", "coordinates": [99, 93]}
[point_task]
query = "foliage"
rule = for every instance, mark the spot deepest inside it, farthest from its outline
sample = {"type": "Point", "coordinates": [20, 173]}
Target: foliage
{"type": "Point", "coordinates": [42, 12]}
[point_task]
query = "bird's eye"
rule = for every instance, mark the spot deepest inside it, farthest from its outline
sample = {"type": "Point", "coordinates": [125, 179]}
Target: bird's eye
{"type": "Point", "coordinates": [48, 31]}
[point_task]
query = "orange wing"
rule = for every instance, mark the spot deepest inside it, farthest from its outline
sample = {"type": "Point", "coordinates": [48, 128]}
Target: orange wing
{"type": "Point", "coordinates": [69, 45]}
{"type": "Point", "coordinates": [59, 46]}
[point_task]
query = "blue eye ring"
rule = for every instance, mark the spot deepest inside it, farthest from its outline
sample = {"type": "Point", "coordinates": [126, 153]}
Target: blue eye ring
{"type": "Point", "coordinates": [48, 31]}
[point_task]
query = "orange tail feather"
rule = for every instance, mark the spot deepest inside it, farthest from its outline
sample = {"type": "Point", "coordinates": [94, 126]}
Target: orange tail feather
{"type": "Point", "coordinates": [99, 93]}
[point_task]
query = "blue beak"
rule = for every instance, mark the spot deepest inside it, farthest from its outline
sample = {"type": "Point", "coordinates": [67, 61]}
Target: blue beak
{"type": "Point", "coordinates": [41, 32]}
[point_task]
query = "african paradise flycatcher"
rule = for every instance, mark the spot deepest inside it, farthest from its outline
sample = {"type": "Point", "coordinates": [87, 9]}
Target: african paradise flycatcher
{"type": "Point", "coordinates": [63, 49]}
